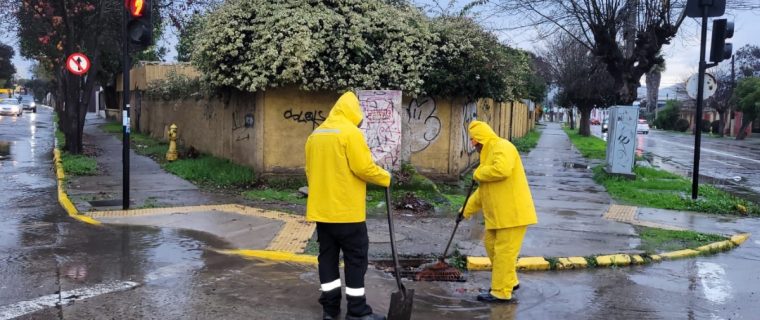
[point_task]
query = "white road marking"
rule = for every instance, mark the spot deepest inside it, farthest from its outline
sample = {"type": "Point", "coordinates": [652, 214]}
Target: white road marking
{"type": "Point", "coordinates": [26, 307]}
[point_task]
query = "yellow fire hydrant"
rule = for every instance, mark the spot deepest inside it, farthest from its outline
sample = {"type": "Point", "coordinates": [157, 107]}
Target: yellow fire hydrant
{"type": "Point", "coordinates": [171, 155]}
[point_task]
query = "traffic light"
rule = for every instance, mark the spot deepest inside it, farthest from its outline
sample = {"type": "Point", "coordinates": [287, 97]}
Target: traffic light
{"type": "Point", "coordinates": [719, 49]}
{"type": "Point", "coordinates": [139, 25]}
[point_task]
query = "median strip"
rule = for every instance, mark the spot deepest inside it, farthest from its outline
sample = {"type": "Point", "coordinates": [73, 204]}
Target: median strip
{"type": "Point", "coordinates": [570, 263]}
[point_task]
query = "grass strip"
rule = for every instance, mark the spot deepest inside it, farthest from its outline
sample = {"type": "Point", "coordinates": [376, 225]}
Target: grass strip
{"type": "Point", "coordinates": [661, 189]}
{"type": "Point", "coordinates": [590, 147]}
{"type": "Point", "coordinates": [655, 240]}
{"type": "Point", "coordinates": [527, 142]}
{"type": "Point", "coordinates": [211, 170]}
{"type": "Point", "coordinates": [78, 165]}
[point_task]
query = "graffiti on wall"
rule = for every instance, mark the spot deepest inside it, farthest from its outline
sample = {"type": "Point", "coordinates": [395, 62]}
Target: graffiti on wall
{"type": "Point", "coordinates": [424, 124]}
{"type": "Point", "coordinates": [242, 125]}
{"type": "Point", "coordinates": [315, 117]}
{"type": "Point", "coordinates": [469, 113]}
{"type": "Point", "coordinates": [382, 125]}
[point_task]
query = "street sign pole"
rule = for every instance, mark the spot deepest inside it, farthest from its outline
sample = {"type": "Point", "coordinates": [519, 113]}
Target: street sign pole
{"type": "Point", "coordinates": [698, 116]}
{"type": "Point", "coordinates": [125, 114]}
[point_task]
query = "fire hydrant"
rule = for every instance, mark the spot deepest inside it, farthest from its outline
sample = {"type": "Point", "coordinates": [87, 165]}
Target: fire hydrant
{"type": "Point", "coordinates": [171, 155]}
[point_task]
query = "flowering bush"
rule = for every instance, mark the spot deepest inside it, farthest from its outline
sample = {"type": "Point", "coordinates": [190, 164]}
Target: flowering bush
{"type": "Point", "coordinates": [335, 45]}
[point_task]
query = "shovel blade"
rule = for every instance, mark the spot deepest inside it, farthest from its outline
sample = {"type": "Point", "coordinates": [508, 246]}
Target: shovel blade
{"type": "Point", "coordinates": [401, 305]}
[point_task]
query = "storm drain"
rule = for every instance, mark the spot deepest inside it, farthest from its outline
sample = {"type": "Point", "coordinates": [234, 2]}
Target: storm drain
{"type": "Point", "coordinates": [421, 270]}
{"type": "Point", "coordinates": [574, 165]}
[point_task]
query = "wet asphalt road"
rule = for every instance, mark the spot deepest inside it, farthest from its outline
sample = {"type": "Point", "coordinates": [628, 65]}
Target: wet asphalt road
{"type": "Point", "coordinates": [152, 273]}
{"type": "Point", "coordinates": [727, 161]}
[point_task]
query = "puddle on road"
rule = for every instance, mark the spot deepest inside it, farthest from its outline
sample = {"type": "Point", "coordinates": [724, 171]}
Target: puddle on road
{"type": "Point", "coordinates": [5, 150]}
{"type": "Point", "coordinates": [714, 284]}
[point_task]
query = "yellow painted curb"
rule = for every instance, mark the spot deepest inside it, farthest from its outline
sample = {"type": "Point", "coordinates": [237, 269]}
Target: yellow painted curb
{"type": "Point", "coordinates": [478, 263]}
{"type": "Point", "coordinates": [656, 258]}
{"type": "Point", "coordinates": [63, 198]}
{"type": "Point", "coordinates": [637, 259]}
{"type": "Point", "coordinates": [716, 246]}
{"type": "Point", "coordinates": [740, 238]}
{"type": "Point", "coordinates": [273, 255]}
{"type": "Point", "coordinates": [571, 263]}
{"type": "Point", "coordinates": [532, 264]}
{"type": "Point", "coordinates": [686, 253]}
{"type": "Point", "coordinates": [613, 259]}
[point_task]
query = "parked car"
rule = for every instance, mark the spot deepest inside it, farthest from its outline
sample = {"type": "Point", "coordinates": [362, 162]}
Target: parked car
{"type": "Point", "coordinates": [604, 126]}
{"type": "Point", "coordinates": [642, 127]}
{"type": "Point", "coordinates": [28, 104]}
{"type": "Point", "coordinates": [10, 107]}
{"type": "Point", "coordinates": [595, 122]}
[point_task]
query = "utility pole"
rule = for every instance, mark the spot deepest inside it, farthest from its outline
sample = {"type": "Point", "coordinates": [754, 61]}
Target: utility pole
{"type": "Point", "coordinates": [718, 52]}
{"type": "Point", "coordinates": [125, 114]}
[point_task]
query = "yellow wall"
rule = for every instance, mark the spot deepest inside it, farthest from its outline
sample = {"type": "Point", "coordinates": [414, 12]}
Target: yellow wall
{"type": "Point", "coordinates": [434, 129]}
{"type": "Point", "coordinates": [288, 115]}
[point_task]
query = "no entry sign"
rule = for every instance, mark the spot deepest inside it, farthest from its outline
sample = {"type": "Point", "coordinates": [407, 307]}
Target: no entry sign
{"type": "Point", "coordinates": [78, 64]}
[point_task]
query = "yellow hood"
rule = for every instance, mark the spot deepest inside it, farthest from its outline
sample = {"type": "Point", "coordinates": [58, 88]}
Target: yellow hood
{"type": "Point", "coordinates": [347, 107]}
{"type": "Point", "coordinates": [481, 131]}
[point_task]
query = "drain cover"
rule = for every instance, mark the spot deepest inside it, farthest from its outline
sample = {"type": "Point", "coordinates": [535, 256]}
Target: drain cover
{"type": "Point", "coordinates": [106, 203]}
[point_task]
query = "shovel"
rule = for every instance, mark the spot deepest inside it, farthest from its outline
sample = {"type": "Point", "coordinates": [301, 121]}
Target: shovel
{"type": "Point", "coordinates": [401, 301]}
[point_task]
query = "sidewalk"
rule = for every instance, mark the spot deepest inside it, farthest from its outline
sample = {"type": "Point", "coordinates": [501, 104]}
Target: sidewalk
{"type": "Point", "coordinates": [570, 208]}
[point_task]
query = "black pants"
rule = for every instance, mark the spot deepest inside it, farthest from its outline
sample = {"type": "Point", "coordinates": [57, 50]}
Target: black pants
{"type": "Point", "coordinates": [352, 239]}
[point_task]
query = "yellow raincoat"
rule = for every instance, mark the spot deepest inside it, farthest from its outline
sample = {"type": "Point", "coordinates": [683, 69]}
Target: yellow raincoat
{"type": "Point", "coordinates": [504, 196]}
{"type": "Point", "coordinates": [339, 165]}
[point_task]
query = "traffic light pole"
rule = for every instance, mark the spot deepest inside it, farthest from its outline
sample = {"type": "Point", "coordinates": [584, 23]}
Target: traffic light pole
{"type": "Point", "coordinates": [125, 115]}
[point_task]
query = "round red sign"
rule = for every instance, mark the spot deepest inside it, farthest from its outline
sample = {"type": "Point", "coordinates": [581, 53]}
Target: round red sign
{"type": "Point", "coordinates": [78, 64]}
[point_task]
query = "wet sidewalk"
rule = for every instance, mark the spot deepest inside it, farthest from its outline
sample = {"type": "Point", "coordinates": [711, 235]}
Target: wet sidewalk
{"type": "Point", "coordinates": [570, 206]}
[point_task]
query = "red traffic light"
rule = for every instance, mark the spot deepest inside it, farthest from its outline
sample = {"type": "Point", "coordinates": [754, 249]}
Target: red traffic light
{"type": "Point", "coordinates": [135, 7]}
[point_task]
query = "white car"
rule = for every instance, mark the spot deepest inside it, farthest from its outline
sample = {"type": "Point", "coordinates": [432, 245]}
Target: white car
{"type": "Point", "coordinates": [642, 127]}
{"type": "Point", "coordinates": [10, 107]}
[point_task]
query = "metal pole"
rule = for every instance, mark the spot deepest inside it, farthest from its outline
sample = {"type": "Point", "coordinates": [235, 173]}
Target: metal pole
{"type": "Point", "coordinates": [698, 116]}
{"type": "Point", "coordinates": [125, 115]}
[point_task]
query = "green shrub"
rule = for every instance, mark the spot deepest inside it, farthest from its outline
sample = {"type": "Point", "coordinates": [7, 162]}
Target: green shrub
{"type": "Point", "coordinates": [681, 125]}
{"type": "Point", "coordinates": [705, 125]}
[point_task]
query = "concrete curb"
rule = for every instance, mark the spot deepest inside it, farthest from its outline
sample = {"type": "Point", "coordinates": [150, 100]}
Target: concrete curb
{"type": "Point", "coordinates": [570, 263]}
{"type": "Point", "coordinates": [63, 198]}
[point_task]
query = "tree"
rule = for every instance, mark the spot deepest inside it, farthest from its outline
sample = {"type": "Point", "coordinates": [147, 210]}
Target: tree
{"type": "Point", "coordinates": [748, 102]}
{"type": "Point", "coordinates": [581, 77]}
{"type": "Point", "coordinates": [7, 69]}
{"type": "Point", "coordinates": [471, 62]}
{"type": "Point", "coordinates": [721, 101]}
{"type": "Point", "coordinates": [748, 61]}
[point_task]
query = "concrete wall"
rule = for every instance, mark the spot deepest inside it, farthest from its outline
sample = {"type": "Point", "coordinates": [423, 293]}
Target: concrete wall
{"type": "Point", "coordinates": [267, 130]}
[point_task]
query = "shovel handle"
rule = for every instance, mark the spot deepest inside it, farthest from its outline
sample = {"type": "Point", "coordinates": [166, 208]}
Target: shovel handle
{"type": "Point", "coordinates": [467, 198]}
{"type": "Point", "coordinates": [396, 264]}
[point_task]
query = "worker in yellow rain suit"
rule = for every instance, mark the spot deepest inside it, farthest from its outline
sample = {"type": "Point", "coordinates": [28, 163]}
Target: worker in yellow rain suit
{"type": "Point", "coordinates": [504, 196]}
{"type": "Point", "coordinates": [338, 166]}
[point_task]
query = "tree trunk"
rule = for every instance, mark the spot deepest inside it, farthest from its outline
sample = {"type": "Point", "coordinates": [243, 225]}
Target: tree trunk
{"type": "Point", "coordinates": [585, 126]}
{"type": "Point", "coordinates": [628, 91]}
{"type": "Point", "coordinates": [653, 88]}
{"type": "Point", "coordinates": [724, 118]}
{"type": "Point", "coordinates": [746, 121]}
{"type": "Point", "coordinates": [570, 118]}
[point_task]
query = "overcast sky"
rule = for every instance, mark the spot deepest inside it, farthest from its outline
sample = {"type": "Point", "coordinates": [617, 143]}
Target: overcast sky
{"type": "Point", "coordinates": [681, 55]}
